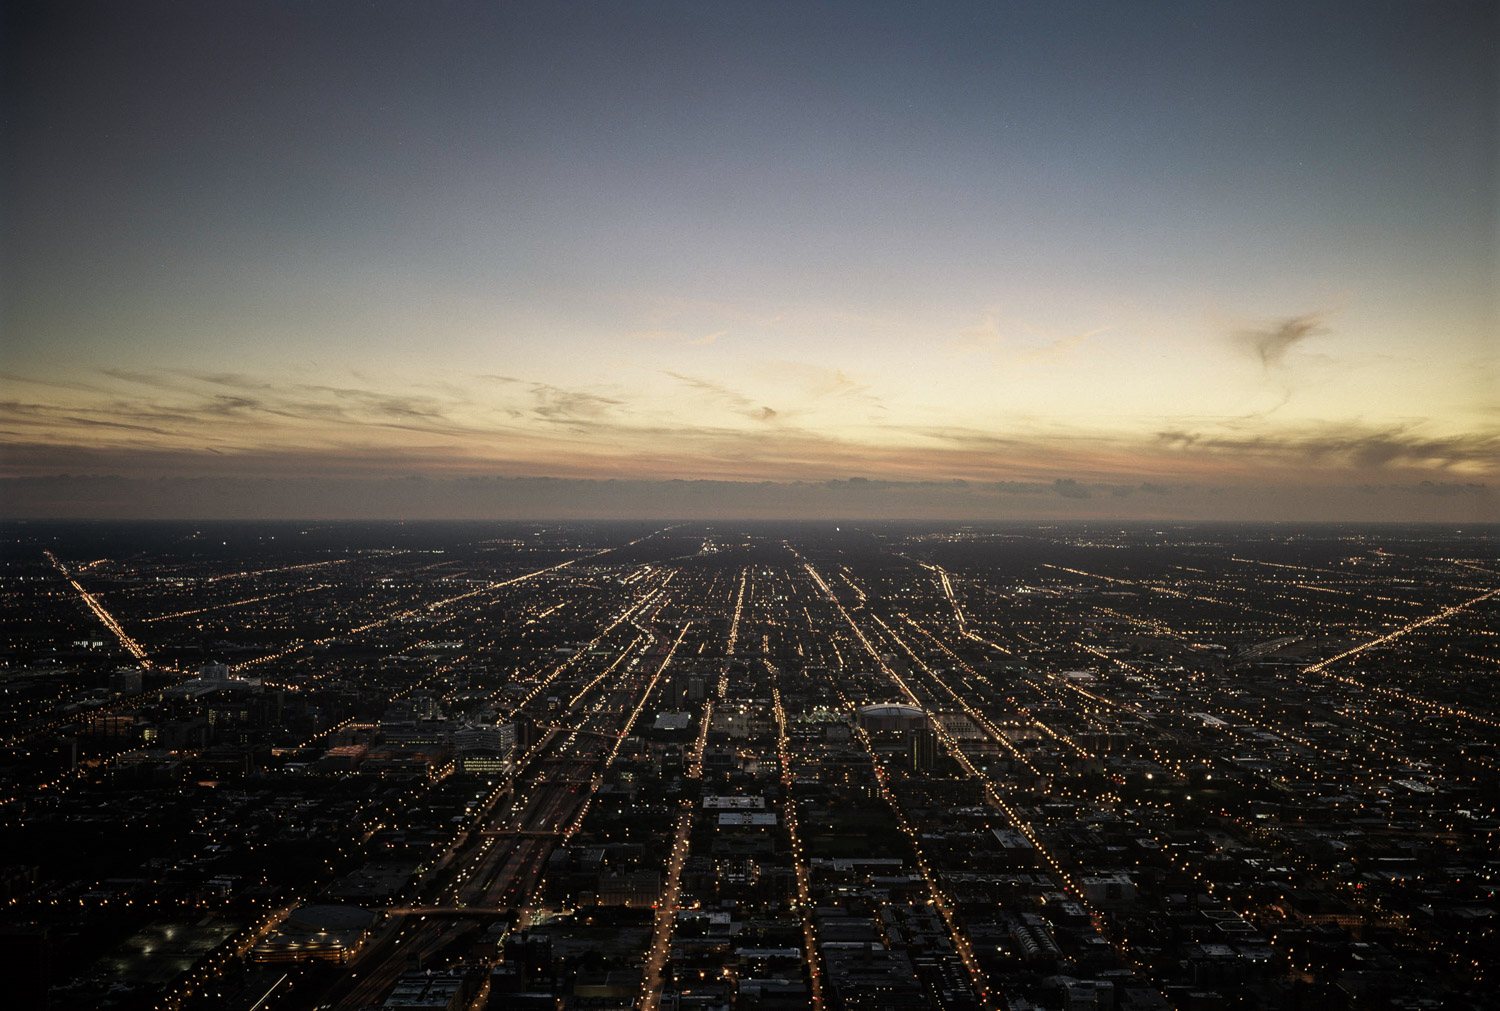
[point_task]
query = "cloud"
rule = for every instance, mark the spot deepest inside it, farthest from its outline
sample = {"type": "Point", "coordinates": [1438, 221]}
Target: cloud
{"type": "Point", "coordinates": [45, 417]}
{"type": "Point", "coordinates": [731, 398]}
{"type": "Point", "coordinates": [1060, 349]}
{"type": "Point", "coordinates": [72, 385]}
{"type": "Point", "coordinates": [322, 402]}
{"type": "Point", "coordinates": [718, 390]}
{"type": "Point", "coordinates": [171, 412]}
{"type": "Point", "coordinates": [1145, 487]}
{"type": "Point", "coordinates": [677, 336]}
{"type": "Point", "coordinates": [405, 407]}
{"type": "Point", "coordinates": [1177, 438]}
{"type": "Point", "coordinates": [233, 380]}
{"type": "Point", "coordinates": [226, 404]}
{"type": "Point", "coordinates": [173, 423]}
{"type": "Point", "coordinates": [985, 337]}
{"type": "Point", "coordinates": [1446, 489]}
{"type": "Point", "coordinates": [817, 382]}
{"type": "Point", "coordinates": [1349, 446]}
{"type": "Point", "coordinates": [556, 404]}
{"type": "Point", "coordinates": [1271, 343]}
{"type": "Point", "coordinates": [115, 424]}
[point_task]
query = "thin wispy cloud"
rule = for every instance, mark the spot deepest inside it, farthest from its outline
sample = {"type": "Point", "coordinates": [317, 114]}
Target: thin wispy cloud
{"type": "Point", "coordinates": [677, 336]}
{"type": "Point", "coordinates": [813, 383]}
{"type": "Point", "coordinates": [1062, 349]}
{"type": "Point", "coordinates": [1348, 446]}
{"type": "Point", "coordinates": [981, 337]}
{"type": "Point", "coordinates": [1271, 343]}
{"type": "Point", "coordinates": [555, 404]}
{"type": "Point", "coordinates": [733, 399]}
{"type": "Point", "coordinates": [1017, 343]}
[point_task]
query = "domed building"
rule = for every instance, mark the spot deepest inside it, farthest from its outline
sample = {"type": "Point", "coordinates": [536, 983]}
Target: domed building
{"type": "Point", "coordinates": [891, 716]}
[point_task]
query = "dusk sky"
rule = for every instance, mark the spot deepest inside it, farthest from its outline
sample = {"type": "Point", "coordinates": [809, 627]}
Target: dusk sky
{"type": "Point", "coordinates": [1145, 260]}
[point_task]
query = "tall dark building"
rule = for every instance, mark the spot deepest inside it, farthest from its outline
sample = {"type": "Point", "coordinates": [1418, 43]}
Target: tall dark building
{"type": "Point", "coordinates": [922, 745]}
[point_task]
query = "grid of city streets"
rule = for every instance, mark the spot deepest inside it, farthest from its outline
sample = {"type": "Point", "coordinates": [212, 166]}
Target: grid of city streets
{"type": "Point", "coordinates": [256, 766]}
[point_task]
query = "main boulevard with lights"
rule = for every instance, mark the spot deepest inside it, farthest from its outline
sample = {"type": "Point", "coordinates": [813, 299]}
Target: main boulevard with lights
{"type": "Point", "coordinates": [691, 766]}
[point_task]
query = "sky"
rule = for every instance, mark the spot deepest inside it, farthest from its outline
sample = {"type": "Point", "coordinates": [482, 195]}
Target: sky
{"type": "Point", "coordinates": [1105, 259]}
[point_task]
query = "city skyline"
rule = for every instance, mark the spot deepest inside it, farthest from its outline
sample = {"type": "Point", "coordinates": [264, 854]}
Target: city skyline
{"type": "Point", "coordinates": [1093, 261]}
{"type": "Point", "coordinates": [636, 766]}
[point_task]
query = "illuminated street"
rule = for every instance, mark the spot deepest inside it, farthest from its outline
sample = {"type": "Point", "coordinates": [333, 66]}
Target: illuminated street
{"type": "Point", "coordinates": [653, 767]}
